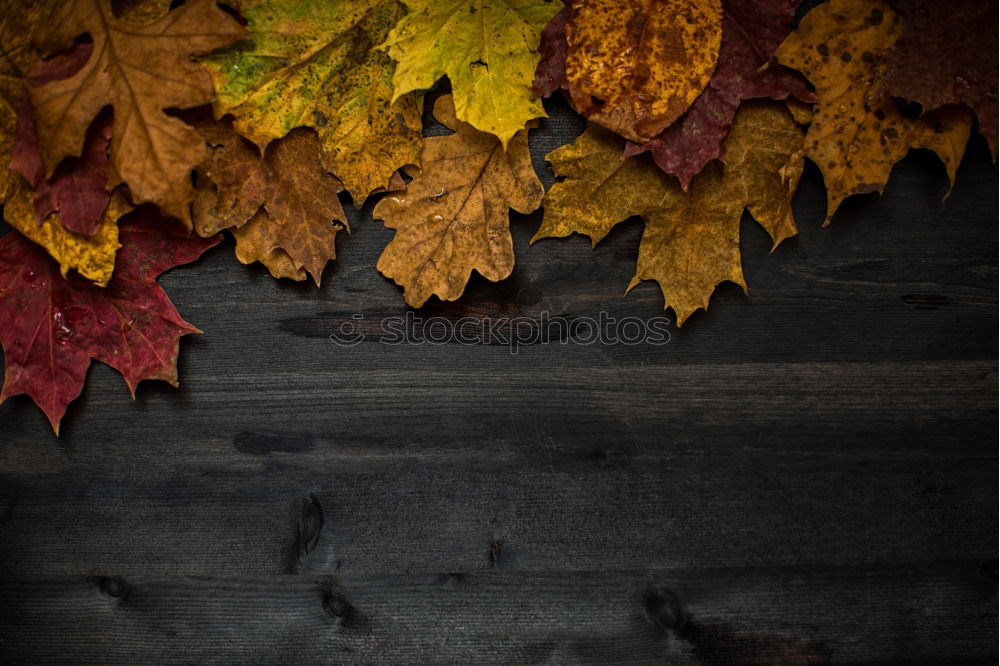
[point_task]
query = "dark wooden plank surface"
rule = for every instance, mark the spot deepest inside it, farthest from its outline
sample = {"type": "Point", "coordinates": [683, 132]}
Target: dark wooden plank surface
{"type": "Point", "coordinates": [807, 474]}
{"type": "Point", "coordinates": [939, 611]}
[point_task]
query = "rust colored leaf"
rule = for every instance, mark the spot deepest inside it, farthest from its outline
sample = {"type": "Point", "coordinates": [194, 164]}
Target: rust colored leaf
{"type": "Point", "coordinates": [139, 71]}
{"type": "Point", "coordinates": [453, 218]}
{"type": "Point", "coordinates": [947, 54]}
{"type": "Point", "coordinates": [255, 242]}
{"type": "Point", "coordinates": [691, 239]}
{"type": "Point", "coordinates": [77, 190]}
{"type": "Point", "coordinates": [232, 184]}
{"type": "Point", "coordinates": [751, 31]}
{"type": "Point", "coordinates": [635, 67]}
{"type": "Point", "coordinates": [857, 133]}
{"type": "Point", "coordinates": [51, 327]}
{"type": "Point", "coordinates": [281, 208]}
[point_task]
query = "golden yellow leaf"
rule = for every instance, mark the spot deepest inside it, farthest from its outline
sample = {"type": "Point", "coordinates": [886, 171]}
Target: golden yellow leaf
{"type": "Point", "coordinates": [858, 133]}
{"type": "Point", "coordinates": [93, 257]}
{"type": "Point", "coordinates": [635, 67]}
{"type": "Point", "coordinates": [316, 64]}
{"type": "Point", "coordinates": [488, 50]}
{"type": "Point", "coordinates": [691, 240]}
{"type": "Point", "coordinates": [453, 218]}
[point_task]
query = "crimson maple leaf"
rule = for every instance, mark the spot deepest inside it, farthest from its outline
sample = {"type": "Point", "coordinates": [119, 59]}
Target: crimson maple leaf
{"type": "Point", "coordinates": [51, 327]}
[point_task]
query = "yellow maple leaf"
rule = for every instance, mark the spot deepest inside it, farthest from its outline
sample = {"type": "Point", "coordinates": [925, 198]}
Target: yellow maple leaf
{"type": "Point", "coordinates": [858, 133]}
{"type": "Point", "coordinates": [691, 239]}
{"type": "Point", "coordinates": [488, 50]}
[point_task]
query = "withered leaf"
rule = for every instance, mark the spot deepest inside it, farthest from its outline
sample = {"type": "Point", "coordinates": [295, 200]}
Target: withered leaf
{"type": "Point", "coordinates": [280, 207]}
{"type": "Point", "coordinates": [255, 241]}
{"type": "Point", "coordinates": [139, 71]}
{"type": "Point", "coordinates": [51, 327]}
{"type": "Point", "coordinates": [634, 67]}
{"type": "Point", "coordinates": [317, 64]}
{"type": "Point", "coordinates": [691, 239]}
{"type": "Point", "coordinates": [232, 184]}
{"type": "Point", "coordinates": [453, 218]}
{"type": "Point", "coordinates": [751, 31]}
{"type": "Point", "coordinates": [947, 54]}
{"type": "Point", "coordinates": [858, 134]}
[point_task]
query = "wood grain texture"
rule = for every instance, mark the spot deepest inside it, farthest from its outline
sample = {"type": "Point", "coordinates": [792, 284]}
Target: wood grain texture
{"type": "Point", "coordinates": [918, 611]}
{"type": "Point", "coordinates": [806, 474]}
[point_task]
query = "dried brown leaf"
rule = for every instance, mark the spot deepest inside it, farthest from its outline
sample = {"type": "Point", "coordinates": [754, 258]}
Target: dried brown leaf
{"type": "Point", "coordinates": [140, 71]}
{"type": "Point", "coordinates": [453, 218]}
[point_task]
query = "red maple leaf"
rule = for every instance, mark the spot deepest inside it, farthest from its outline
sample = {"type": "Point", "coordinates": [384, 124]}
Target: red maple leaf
{"type": "Point", "coordinates": [51, 327]}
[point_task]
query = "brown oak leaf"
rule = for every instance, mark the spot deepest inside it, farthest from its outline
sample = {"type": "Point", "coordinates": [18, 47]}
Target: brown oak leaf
{"type": "Point", "coordinates": [139, 71]}
{"type": "Point", "coordinates": [283, 208]}
{"type": "Point", "coordinates": [453, 217]}
{"type": "Point", "coordinates": [51, 327]}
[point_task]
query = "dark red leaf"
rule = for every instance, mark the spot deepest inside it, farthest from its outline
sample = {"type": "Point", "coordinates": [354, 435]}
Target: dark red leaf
{"type": "Point", "coordinates": [51, 327]}
{"type": "Point", "coordinates": [550, 73]}
{"type": "Point", "coordinates": [947, 54]}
